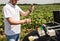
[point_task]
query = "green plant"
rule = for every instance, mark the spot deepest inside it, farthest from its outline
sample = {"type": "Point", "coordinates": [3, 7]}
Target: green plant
{"type": "Point", "coordinates": [41, 15]}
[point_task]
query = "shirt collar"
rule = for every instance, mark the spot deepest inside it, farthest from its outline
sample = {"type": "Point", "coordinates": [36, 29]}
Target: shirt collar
{"type": "Point", "coordinates": [12, 5]}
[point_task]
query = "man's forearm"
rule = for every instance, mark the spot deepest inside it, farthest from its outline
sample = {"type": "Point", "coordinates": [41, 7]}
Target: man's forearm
{"type": "Point", "coordinates": [15, 22]}
{"type": "Point", "coordinates": [31, 8]}
{"type": "Point", "coordinates": [27, 12]}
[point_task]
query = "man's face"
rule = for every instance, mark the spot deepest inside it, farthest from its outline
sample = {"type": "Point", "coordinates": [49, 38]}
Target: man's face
{"type": "Point", "coordinates": [14, 2]}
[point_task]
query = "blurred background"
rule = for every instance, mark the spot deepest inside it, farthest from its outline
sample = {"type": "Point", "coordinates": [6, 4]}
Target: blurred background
{"type": "Point", "coordinates": [32, 1]}
{"type": "Point", "coordinates": [42, 14]}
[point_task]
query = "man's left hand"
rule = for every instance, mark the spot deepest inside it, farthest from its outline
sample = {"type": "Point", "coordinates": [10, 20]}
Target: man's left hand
{"type": "Point", "coordinates": [31, 8]}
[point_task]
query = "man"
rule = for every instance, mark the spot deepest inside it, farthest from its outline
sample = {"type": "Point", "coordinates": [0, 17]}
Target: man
{"type": "Point", "coordinates": [12, 20]}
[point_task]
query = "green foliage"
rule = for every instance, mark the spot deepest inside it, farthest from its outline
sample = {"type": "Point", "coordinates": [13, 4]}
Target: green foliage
{"type": "Point", "coordinates": [1, 20]}
{"type": "Point", "coordinates": [41, 15]}
{"type": "Point", "coordinates": [3, 39]}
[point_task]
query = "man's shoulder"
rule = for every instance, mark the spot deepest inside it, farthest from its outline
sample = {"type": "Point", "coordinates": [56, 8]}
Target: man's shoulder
{"type": "Point", "coordinates": [17, 6]}
{"type": "Point", "coordinates": [6, 6]}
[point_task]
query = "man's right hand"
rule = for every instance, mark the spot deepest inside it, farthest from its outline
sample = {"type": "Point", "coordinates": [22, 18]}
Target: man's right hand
{"type": "Point", "coordinates": [16, 22]}
{"type": "Point", "coordinates": [27, 20]}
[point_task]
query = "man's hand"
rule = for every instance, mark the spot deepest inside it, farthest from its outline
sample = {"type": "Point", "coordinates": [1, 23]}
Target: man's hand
{"type": "Point", "coordinates": [28, 20]}
{"type": "Point", "coordinates": [31, 8]}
